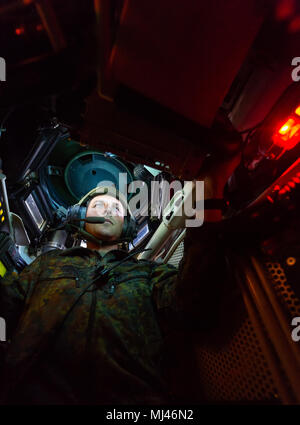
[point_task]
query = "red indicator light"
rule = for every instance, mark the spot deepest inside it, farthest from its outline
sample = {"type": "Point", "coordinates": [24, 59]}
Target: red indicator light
{"type": "Point", "coordinates": [297, 111]}
{"type": "Point", "coordinates": [288, 135]}
{"type": "Point", "coordinates": [294, 131]}
{"type": "Point", "coordinates": [19, 30]}
{"type": "Point", "coordinates": [286, 126]}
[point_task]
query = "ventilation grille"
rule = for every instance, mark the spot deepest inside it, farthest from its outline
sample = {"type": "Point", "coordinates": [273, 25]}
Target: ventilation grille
{"type": "Point", "coordinates": [231, 365]}
{"type": "Point", "coordinates": [177, 255]}
{"type": "Point", "coordinates": [284, 291]}
{"type": "Point", "coordinates": [237, 371]}
{"type": "Point", "coordinates": [230, 362]}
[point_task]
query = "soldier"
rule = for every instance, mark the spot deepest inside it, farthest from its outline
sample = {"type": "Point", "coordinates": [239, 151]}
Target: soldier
{"type": "Point", "coordinates": [94, 321]}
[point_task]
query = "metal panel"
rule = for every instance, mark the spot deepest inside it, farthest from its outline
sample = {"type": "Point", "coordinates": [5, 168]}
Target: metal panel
{"type": "Point", "coordinates": [184, 55]}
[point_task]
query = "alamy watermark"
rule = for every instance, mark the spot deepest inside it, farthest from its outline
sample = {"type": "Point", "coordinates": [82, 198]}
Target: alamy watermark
{"type": "Point", "coordinates": [296, 71]}
{"type": "Point", "coordinates": [2, 69]}
{"type": "Point", "coordinates": [171, 201]}
{"type": "Point", "coordinates": [296, 331]}
{"type": "Point", "coordinates": [2, 330]}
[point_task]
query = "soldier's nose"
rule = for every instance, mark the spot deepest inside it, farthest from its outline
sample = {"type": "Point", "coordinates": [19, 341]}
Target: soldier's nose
{"type": "Point", "coordinates": [107, 208]}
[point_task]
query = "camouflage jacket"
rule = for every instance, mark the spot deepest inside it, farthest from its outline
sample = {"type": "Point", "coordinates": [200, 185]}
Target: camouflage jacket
{"type": "Point", "coordinates": [106, 345]}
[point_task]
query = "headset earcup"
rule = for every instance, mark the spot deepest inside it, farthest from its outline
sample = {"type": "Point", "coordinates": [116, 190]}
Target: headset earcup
{"type": "Point", "coordinates": [82, 212]}
{"type": "Point", "coordinates": [75, 213]}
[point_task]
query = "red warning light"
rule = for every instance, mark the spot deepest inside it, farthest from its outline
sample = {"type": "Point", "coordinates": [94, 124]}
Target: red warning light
{"type": "Point", "coordinates": [297, 111]}
{"type": "Point", "coordinates": [19, 30]}
{"type": "Point", "coordinates": [286, 126]}
{"type": "Point", "coordinates": [288, 135]}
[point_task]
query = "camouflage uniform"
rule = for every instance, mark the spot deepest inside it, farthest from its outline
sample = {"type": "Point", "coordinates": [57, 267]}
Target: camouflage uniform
{"type": "Point", "coordinates": [109, 348]}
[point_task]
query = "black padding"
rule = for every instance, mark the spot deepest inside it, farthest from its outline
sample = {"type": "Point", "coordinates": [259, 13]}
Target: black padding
{"type": "Point", "coordinates": [75, 213]}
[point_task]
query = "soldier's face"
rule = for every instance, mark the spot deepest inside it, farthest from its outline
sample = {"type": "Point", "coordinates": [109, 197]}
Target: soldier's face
{"type": "Point", "coordinates": [110, 208]}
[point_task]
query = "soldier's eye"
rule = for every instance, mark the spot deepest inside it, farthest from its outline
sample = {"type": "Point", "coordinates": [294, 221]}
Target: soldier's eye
{"type": "Point", "coordinates": [98, 204]}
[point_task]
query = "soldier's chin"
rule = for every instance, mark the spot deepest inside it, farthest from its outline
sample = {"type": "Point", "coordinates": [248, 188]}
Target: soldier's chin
{"type": "Point", "coordinates": [107, 236]}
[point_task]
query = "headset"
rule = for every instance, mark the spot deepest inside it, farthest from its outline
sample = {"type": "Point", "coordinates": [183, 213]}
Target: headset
{"type": "Point", "coordinates": [76, 215]}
